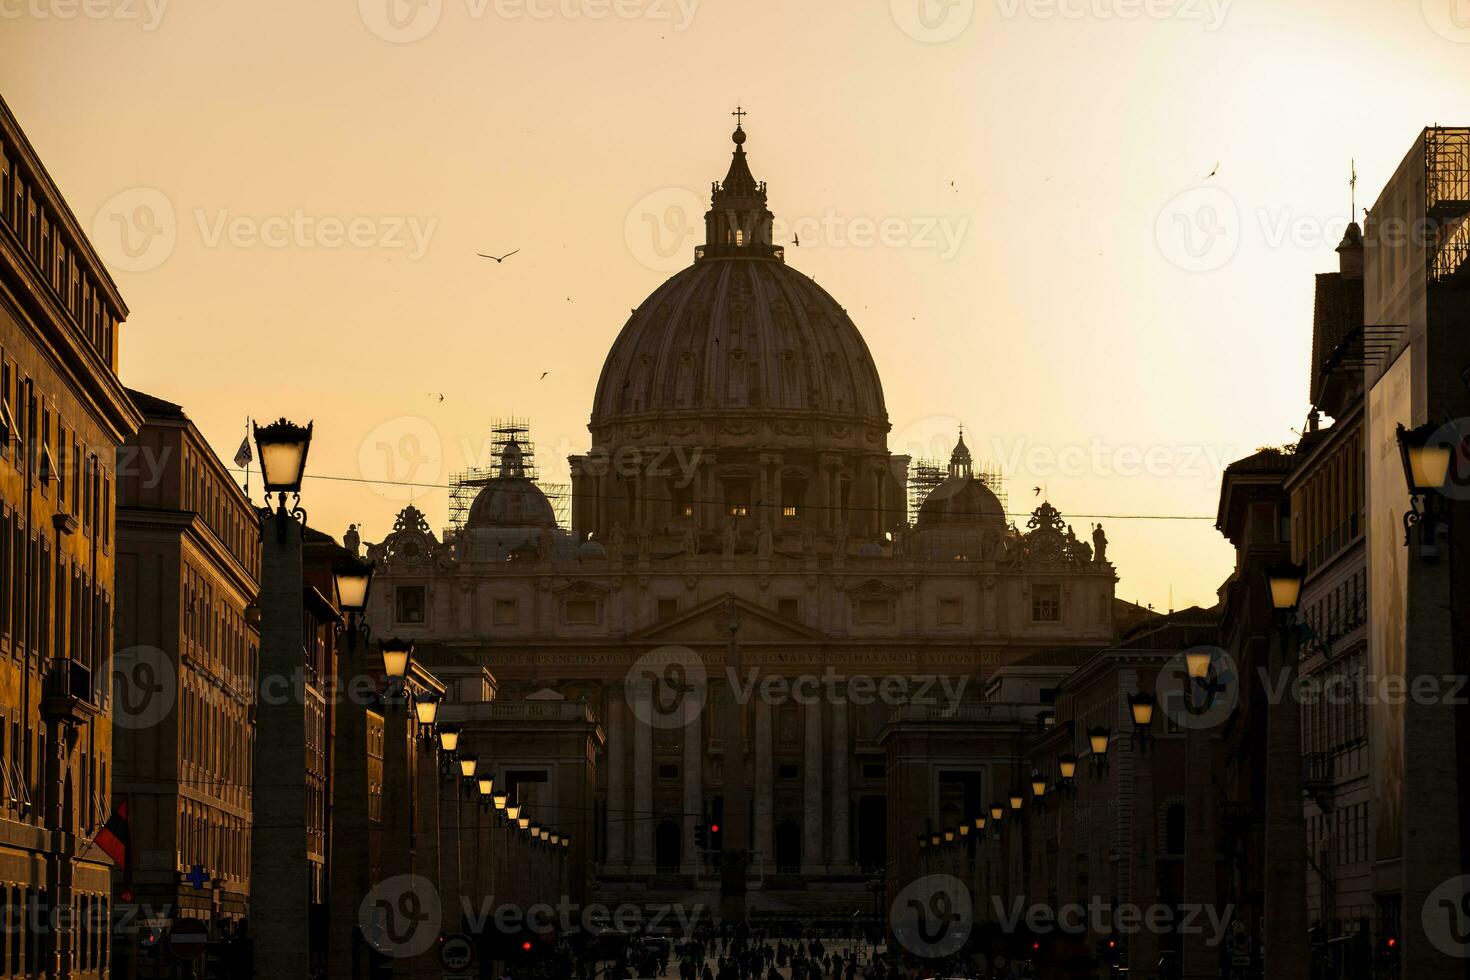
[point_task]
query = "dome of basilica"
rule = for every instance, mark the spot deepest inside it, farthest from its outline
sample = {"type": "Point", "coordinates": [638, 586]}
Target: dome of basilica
{"type": "Point", "coordinates": [739, 334]}
{"type": "Point", "coordinates": [511, 499]}
{"type": "Point", "coordinates": [962, 500]}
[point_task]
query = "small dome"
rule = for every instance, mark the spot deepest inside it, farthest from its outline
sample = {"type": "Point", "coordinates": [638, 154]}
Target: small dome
{"type": "Point", "coordinates": [511, 502]}
{"type": "Point", "coordinates": [961, 502]}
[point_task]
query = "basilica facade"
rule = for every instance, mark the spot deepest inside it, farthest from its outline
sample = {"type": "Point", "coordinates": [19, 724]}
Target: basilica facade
{"type": "Point", "coordinates": [740, 536]}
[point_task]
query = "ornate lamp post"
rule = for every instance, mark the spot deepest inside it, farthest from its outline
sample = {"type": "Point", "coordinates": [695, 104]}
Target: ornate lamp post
{"type": "Point", "coordinates": [1141, 706]}
{"type": "Point", "coordinates": [1426, 458]}
{"type": "Point", "coordinates": [1285, 922]}
{"type": "Point", "coordinates": [1098, 738]}
{"type": "Point", "coordinates": [281, 752]}
{"type": "Point", "coordinates": [282, 447]}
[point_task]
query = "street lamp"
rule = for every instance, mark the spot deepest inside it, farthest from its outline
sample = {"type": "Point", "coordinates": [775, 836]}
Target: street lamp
{"type": "Point", "coordinates": [352, 576]}
{"type": "Point", "coordinates": [512, 812]}
{"type": "Point", "coordinates": [1097, 740]}
{"type": "Point", "coordinates": [1426, 462]}
{"type": "Point", "coordinates": [997, 814]}
{"type": "Point", "coordinates": [282, 447]}
{"type": "Point", "coordinates": [1067, 770]}
{"type": "Point", "coordinates": [1038, 784]}
{"type": "Point", "coordinates": [467, 764]}
{"type": "Point", "coordinates": [396, 656]}
{"type": "Point", "coordinates": [1285, 579]}
{"type": "Point", "coordinates": [1141, 706]}
{"type": "Point", "coordinates": [426, 708]}
{"type": "Point", "coordinates": [949, 836]}
{"type": "Point", "coordinates": [500, 800]}
{"type": "Point", "coordinates": [448, 738]}
{"type": "Point", "coordinates": [1016, 802]}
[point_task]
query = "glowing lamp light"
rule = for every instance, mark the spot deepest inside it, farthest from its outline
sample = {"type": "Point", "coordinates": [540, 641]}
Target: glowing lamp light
{"type": "Point", "coordinates": [1286, 585]}
{"type": "Point", "coordinates": [1426, 459]}
{"type": "Point", "coordinates": [449, 739]}
{"type": "Point", "coordinates": [396, 655]}
{"type": "Point", "coordinates": [487, 785]}
{"type": "Point", "coordinates": [1197, 662]}
{"type": "Point", "coordinates": [1067, 766]}
{"type": "Point", "coordinates": [500, 800]}
{"type": "Point", "coordinates": [426, 708]}
{"type": "Point", "coordinates": [1016, 801]}
{"type": "Point", "coordinates": [467, 766]}
{"type": "Point", "coordinates": [282, 447]}
{"type": "Point", "coordinates": [1142, 706]}
{"type": "Point", "coordinates": [1097, 740]}
{"type": "Point", "coordinates": [352, 578]}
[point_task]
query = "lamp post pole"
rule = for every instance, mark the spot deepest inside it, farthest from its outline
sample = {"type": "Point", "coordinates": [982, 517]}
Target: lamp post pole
{"type": "Point", "coordinates": [1284, 935]}
{"type": "Point", "coordinates": [1431, 807]}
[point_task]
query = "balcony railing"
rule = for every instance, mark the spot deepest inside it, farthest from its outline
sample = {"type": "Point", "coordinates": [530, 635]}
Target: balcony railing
{"type": "Point", "coordinates": [1318, 771]}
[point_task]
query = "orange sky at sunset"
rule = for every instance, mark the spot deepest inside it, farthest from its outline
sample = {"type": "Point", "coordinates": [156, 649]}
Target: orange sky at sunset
{"type": "Point", "coordinates": [1010, 197]}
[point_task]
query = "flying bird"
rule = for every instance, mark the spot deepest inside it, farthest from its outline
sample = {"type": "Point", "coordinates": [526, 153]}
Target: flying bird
{"type": "Point", "coordinates": [543, 375]}
{"type": "Point", "coordinates": [498, 258]}
{"type": "Point", "coordinates": [438, 396]}
{"type": "Point", "coordinates": [1036, 491]}
{"type": "Point", "coordinates": [1213, 172]}
{"type": "Point", "coordinates": [797, 240]}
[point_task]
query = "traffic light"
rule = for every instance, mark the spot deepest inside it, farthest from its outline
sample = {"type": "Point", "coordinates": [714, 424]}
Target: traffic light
{"type": "Point", "coordinates": [715, 840]}
{"type": "Point", "coordinates": [701, 835]}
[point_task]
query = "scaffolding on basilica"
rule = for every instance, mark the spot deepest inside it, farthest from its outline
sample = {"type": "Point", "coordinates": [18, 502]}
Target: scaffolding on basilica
{"type": "Point", "coordinates": [926, 474]}
{"type": "Point", "coordinates": [465, 485]}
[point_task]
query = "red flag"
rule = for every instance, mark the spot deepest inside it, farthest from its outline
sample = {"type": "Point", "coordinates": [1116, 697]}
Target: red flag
{"type": "Point", "coordinates": [114, 839]}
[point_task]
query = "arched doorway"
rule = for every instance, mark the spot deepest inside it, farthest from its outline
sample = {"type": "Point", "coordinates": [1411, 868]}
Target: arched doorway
{"type": "Point", "coordinates": [668, 845]}
{"type": "Point", "coordinates": [788, 848]}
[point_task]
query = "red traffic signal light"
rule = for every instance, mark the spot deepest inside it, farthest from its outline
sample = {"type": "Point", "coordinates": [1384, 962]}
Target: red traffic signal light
{"type": "Point", "coordinates": [526, 946]}
{"type": "Point", "coordinates": [714, 828]}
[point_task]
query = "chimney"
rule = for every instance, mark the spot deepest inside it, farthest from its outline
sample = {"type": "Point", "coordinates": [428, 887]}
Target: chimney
{"type": "Point", "coordinates": [1350, 253]}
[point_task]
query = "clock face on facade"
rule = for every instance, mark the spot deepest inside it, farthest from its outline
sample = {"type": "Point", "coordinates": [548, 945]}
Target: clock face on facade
{"type": "Point", "coordinates": [409, 547]}
{"type": "Point", "coordinates": [1046, 545]}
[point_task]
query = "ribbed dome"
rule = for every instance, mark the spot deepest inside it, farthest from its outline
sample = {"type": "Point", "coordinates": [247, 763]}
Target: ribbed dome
{"type": "Point", "coordinates": [740, 337]}
{"type": "Point", "coordinates": [733, 334]}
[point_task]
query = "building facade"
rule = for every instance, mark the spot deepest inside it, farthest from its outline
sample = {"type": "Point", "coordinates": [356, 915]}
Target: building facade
{"type": "Point", "coordinates": [63, 416]}
{"type": "Point", "coordinates": [1329, 526]}
{"type": "Point", "coordinates": [188, 642]}
{"type": "Point", "coordinates": [739, 518]}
